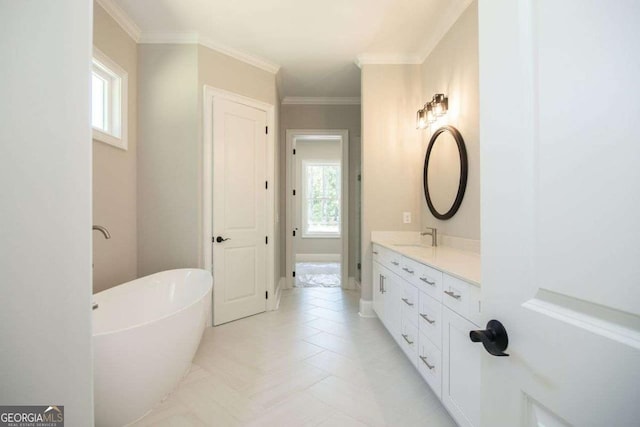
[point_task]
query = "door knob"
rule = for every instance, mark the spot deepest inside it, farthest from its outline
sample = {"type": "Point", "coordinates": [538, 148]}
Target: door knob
{"type": "Point", "coordinates": [494, 338]}
{"type": "Point", "coordinates": [220, 239]}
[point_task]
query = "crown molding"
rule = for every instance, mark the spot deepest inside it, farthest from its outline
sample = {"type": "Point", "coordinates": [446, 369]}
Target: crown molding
{"type": "Point", "coordinates": [120, 16]}
{"type": "Point", "coordinates": [382, 59]}
{"type": "Point", "coordinates": [320, 100]}
{"type": "Point", "coordinates": [446, 23]}
{"type": "Point", "coordinates": [195, 38]}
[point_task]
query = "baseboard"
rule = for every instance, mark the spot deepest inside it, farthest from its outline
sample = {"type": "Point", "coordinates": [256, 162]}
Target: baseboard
{"type": "Point", "coordinates": [366, 309]}
{"type": "Point", "coordinates": [318, 258]}
{"type": "Point", "coordinates": [351, 284]}
{"type": "Point", "coordinates": [275, 304]}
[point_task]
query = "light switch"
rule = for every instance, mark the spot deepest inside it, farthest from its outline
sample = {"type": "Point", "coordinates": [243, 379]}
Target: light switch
{"type": "Point", "coordinates": [406, 217]}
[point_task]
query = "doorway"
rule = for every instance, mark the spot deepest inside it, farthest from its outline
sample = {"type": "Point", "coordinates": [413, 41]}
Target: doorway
{"type": "Point", "coordinates": [317, 167]}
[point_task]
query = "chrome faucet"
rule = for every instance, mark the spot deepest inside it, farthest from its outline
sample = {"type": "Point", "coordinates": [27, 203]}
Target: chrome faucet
{"type": "Point", "coordinates": [103, 230]}
{"type": "Point", "coordinates": [433, 232]}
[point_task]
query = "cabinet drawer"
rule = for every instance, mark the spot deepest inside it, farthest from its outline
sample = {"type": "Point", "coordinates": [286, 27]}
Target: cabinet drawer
{"type": "Point", "coordinates": [394, 262]}
{"type": "Point", "coordinates": [410, 270]}
{"type": "Point", "coordinates": [410, 300]}
{"type": "Point", "coordinates": [377, 253]}
{"type": "Point", "coordinates": [461, 297]}
{"type": "Point", "coordinates": [430, 319]}
{"type": "Point", "coordinates": [409, 340]}
{"type": "Point", "coordinates": [430, 364]}
{"type": "Point", "coordinates": [430, 281]}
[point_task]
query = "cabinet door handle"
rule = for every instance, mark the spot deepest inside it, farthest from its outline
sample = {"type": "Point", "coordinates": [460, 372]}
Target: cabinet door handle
{"type": "Point", "coordinates": [380, 283]}
{"type": "Point", "coordinates": [382, 279]}
{"type": "Point", "coordinates": [452, 294]}
{"type": "Point", "coordinates": [425, 317]}
{"type": "Point", "coordinates": [406, 301]}
{"type": "Point", "coordinates": [406, 338]}
{"type": "Point", "coordinates": [395, 263]}
{"type": "Point", "coordinates": [425, 280]}
{"type": "Point", "coordinates": [424, 360]}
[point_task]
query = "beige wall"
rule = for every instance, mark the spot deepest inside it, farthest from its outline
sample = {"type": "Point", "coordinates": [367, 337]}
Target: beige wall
{"type": "Point", "coordinates": [314, 150]}
{"type": "Point", "coordinates": [452, 69]}
{"type": "Point", "coordinates": [391, 154]}
{"type": "Point", "coordinates": [114, 170]}
{"type": "Point", "coordinates": [172, 78]}
{"type": "Point", "coordinates": [45, 182]}
{"type": "Point", "coordinates": [168, 158]}
{"type": "Point", "coordinates": [322, 117]}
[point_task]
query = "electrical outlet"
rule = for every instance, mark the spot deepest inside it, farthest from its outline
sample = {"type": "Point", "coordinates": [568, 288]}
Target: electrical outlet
{"type": "Point", "coordinates": [406, 217]}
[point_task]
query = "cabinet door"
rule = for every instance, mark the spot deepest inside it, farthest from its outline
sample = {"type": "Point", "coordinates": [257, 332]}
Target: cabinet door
{"type": "Point", "coordinates": [461, 364]}
{"type": "Point", "coordinates": [392, 287]}
{"type": "Point", "coordinates": [378, 301]}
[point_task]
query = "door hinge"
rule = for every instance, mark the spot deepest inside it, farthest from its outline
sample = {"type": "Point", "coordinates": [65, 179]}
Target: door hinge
{"type": "Point", "coordinates": [266, 185]}
{"type": "Point", "coordinates": [359, 266]}
{"type": "Point", "coordinates": [359, 177]}
{"type": "Point", "coordinates": [213, 239]}
{"type": "Point", "coordinates": [266, 130]}
{"type": "Point", "coordinates": [294, 151]}
{"type": "Point", "coordinates": [294, 233]}
{"type": "Point", "coordinates": [294, 274]}
{"type": "Point", "coordinates": [266, 295]}
{"type": "Point", "coordinates": [266, 240]}
{"type": "Point", "coordinates": [294, 192]}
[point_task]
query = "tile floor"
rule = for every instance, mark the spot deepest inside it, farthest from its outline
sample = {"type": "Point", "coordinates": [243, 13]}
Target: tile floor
{"type": "Point", "coordinates": [317, 274]}
{"type": "Point", "coordinates": [313, 362]}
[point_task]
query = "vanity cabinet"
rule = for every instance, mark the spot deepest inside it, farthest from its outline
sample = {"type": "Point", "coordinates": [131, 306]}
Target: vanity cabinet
{"type": "Point", "coordinates": [430, 313]}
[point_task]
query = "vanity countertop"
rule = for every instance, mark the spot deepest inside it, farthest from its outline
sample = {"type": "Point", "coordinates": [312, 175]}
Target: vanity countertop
{"type": "Point", "coordinates": [464, 265]}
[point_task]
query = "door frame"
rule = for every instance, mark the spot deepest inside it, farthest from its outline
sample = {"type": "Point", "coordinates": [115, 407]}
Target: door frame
{"type": "Point", "coordinates": [206, 252]}
{"type": "Point", "coordinates": [291, 136]}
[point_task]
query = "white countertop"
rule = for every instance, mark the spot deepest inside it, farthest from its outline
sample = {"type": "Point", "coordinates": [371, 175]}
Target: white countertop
{"type": "Point", "coordinates": [464, 265]}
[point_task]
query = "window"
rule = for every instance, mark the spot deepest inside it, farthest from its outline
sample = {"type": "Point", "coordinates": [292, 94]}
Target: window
{"type": "Point", "coordinates": [108, 101]}
{"type": "Point", "coordinates": [321, 199]}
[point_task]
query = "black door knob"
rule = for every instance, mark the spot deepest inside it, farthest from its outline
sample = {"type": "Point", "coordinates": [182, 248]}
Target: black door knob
{"type": "Point", "coordinates": [494, 338]}
{"type": "Point", "coordinates": [220, 239]}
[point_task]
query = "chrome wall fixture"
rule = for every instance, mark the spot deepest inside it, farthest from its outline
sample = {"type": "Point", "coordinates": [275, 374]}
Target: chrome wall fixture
{"type": "Point", "coordinates": [433, 109]}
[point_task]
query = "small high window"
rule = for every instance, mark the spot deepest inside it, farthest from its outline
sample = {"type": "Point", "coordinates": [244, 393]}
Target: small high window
{"type": "Point", "coordinates": [321, 199]}
{"type": "Point", "coordinates": [109, 85]}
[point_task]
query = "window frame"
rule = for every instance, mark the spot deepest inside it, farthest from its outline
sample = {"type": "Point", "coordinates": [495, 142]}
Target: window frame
{"type": "Point", "coordinates": [116, 97]}
{"type": "Point", "coordinates": [306, 234]}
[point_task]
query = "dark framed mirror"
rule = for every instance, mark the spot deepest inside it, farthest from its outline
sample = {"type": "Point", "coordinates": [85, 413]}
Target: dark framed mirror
{"type": "Point", "coordinates": [445, 172]}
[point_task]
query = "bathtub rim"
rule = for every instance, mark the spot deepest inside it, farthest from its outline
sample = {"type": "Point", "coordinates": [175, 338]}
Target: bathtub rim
{"type": "Point", "coordinates": [197, 300]}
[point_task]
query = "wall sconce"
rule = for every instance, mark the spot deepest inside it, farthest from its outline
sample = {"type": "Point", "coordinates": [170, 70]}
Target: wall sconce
{"type": "Point", "coordinates": [433, 109]}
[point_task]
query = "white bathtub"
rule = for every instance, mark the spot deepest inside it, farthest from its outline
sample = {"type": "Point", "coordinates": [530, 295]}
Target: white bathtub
{"type": "Point", "coordinates": [145, 334]}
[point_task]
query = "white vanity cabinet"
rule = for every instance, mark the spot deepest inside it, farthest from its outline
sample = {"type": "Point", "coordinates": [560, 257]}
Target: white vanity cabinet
{"type": "Point", "coordinates": [430, 313]}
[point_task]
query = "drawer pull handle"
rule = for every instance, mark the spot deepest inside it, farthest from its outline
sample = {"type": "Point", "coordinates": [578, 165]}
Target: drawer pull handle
{"type": "Point", "coordinates": [425, 317]}
{"type": "Point", "coordinates": [452, 294]}
{"type": "Point", "coordinates": [375, 253]}
{"type": "Point", "coordinates": [408, 271]}
{"type": "Point", "coordinates": [406, 301]}
{"type": "Point", "coordinates": [425, 280]}
{"type": "Point", "coordinates": [424, 360]}
{"type": "Point", "coordinates": [406, 338]}
{"type": "Point", "coordinates": [395, 263]}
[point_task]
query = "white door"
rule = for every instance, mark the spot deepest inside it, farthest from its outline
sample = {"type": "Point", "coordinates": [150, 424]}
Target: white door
{"type": "Point", "coordinates": [239, 210]}
{"type": "Point", "coordinates": [560, 141]}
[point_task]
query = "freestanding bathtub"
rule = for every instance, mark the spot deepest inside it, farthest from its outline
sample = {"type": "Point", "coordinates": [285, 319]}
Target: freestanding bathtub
{"type": "Point", "coordinates": [145, 334]}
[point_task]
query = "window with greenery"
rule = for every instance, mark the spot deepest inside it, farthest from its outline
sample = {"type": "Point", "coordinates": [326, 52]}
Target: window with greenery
{"type": "Point", "coordinates": [321, 199]}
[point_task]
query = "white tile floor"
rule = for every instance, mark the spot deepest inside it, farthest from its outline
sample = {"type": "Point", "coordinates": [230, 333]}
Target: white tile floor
{"type": "Point", "coordinates": [314, 362]}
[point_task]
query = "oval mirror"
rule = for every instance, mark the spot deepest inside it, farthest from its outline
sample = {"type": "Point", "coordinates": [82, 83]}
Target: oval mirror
{"type": "Point", "coordinates": [445, 172]}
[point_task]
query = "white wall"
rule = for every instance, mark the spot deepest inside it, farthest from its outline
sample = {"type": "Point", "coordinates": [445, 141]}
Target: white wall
{"type": "Point", "coordinates": [452, 69]}
{"type": "Point", "coordinates": [114, 170]}
{"type": "Point", "coordinates": [322, 117]}
{"type": "Point", "coordinates": [314, 150]}
{"type": "Point", "coordinates": [45, 216]}
{"type": "Point", "coordinates": [392, 154]}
